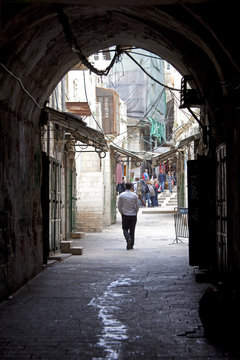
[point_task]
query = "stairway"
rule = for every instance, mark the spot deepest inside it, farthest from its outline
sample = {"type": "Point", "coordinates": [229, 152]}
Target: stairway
{"type": "Point", "coordinates": [167, 199]}
{"type": "Point", "coordinates": [167, 203]}
{"type": "Point", "coordinates": [72, 246]}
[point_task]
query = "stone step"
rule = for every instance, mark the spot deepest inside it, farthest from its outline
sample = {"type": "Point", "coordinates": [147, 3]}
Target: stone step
{"type": "Point", "coordinates": [159, 211]}
{"type": "Point", "coordinates": [168, 200]}
{"type": "Point", "coordinates": [58, 256]}
{"type": "Point", "coordinates": [67, 247]}
{"type": "Point", "coordinates": [77, 235]}
{"type": "Point", "coordinates": [170, 196]}
{"type": "Point", "coordinates": [51, 262]}
{"type": "Point", "coordinates": [76, 250]}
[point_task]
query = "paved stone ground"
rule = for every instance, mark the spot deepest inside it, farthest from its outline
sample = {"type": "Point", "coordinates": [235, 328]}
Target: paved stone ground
{"type": "Point", "coordinates": [111, 303]}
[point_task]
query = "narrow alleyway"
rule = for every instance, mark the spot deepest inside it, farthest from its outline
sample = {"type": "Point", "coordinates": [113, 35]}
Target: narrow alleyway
{"type": "Point", "coordinates": [111, 303]}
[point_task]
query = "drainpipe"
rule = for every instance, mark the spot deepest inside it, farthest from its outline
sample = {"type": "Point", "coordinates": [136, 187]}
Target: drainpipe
{"type": "Point", "coordinates": [66, 194]}
{"type": "Point", "coordinates": [63, 94]}
{"type": "Point", "coordinates": [129, 171]}
{"type": "Point", "coordinates": [48, 139]}
{"type": "Point", "coordinates": [104, 185]}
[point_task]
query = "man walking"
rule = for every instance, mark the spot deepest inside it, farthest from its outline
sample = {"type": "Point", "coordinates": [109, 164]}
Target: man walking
{"type": "Point", "coordinates": [128, 206]}
{"type": "Point", "coordinates": [161, 180]}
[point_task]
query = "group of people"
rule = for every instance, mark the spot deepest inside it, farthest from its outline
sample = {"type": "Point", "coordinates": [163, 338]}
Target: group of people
{"type": "Point", "coordinates": [134, 195]}
{"type": "Point", "coordinates": [148, 189]}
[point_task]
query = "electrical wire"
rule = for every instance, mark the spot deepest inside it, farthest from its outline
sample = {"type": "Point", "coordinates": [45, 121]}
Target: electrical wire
{"type": "Point", "coordinates": [165, 86]}
{"type": "Point", "coordinates": [132, 131]}
{"type": "Point", "coordinates": [75, 47]}
{"type": "Point", "coordinates": [72, 42]}
{"type": "Point", "coordinates": [22, 86]}
{"type": "Point", "coordinates": [133, 52]}
{"type": "Point", "coordinates": [86, 96]}
{"type": "Point", "coordinates": [143, 118]}
{"type": "Point", "coordinates": [94, 118]}
{"type": "Point", "coordinates": [160, 83]}
{"type": "Point", "coordinates": [149, 56]}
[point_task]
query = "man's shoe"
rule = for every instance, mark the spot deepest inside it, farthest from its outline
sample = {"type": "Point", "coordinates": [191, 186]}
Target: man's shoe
{"type": "Point", "coordinates": [129, 242]}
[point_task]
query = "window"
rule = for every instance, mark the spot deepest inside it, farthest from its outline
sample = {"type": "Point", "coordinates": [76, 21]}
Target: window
{"type": "Point", "coordinates": [106, 107]}
{"type": "Point", "coordinates": [106, 54]}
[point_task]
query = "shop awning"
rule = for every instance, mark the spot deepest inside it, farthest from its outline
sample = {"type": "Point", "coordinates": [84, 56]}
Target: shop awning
{"type": "Point", "coordinates": [188, 140]}
{"type": "Point", "coordinates": [164, 156]}
{"type": "Point", "coordinates": [126, 153]}
{"type": "Point", "coordinates": [78, 129]}
{"type": "Point", "coordinates": [172, 152]}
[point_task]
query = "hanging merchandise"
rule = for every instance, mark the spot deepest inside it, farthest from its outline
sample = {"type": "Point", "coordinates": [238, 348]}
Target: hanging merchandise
{"type": "Point", "coordinates": [162, 131]}
{"type": "Point", "coordinates": [158, 130]}
{"type": "Point", "coordinates": [119, 173]}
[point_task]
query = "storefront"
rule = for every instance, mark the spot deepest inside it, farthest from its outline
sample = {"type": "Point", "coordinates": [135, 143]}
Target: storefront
{"type": "Point", "coordinates": [59, 139]}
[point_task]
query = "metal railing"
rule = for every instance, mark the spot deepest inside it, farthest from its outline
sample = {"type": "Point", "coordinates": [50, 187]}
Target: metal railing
{"type": "Point", "coordinates": [181, 224]}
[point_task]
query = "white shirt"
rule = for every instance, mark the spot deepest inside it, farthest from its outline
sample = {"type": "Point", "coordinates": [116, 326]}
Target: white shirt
{"type": "Point", "coordinates": [128, 203]}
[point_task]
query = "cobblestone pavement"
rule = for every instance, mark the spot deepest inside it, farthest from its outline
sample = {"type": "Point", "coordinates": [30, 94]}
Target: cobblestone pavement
{"type": "Point", "coordinates": [111, 303]}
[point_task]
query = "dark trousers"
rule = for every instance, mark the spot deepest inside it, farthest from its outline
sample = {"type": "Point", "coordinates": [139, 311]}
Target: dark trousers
{"type": "Point", "coordinates": [128, 226]}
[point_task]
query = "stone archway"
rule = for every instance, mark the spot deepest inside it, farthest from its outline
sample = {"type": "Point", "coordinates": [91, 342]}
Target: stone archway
{"type": "Point", "coordinates": [35, 55]}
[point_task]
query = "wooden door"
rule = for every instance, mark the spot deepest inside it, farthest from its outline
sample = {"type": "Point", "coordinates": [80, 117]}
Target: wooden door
{"type": "Point", "coordinates": [221, 206]}
{"type": "Point", "coordinates": [54, 205]}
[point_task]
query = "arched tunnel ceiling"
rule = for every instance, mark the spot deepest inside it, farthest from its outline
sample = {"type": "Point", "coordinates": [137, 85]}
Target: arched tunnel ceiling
{"type": "Point", "coordinates": [188, 34]}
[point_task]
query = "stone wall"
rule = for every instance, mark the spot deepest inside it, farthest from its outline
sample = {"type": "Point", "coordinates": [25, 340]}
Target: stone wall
{"type": "Point", "coordinates": [89, 192]}
{"type": "Point", "coordinates": [94, 192]}
{"type": "Point", "coordinates": [20, 202]}
{"type": "Point", "coordinates": [89, 221]}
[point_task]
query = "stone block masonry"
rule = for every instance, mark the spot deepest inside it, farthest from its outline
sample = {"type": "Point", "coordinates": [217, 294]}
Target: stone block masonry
{"type": "Point", "coordinates": [20, 202]}
{"type": "Point", "coordinates": [90, 221]}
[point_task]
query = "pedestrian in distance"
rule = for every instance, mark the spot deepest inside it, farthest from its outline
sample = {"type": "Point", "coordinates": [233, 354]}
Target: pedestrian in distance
{"type": "Point", "coordinates": [143, 189]}
{"type": "Point", "coordinates": [161, 180]}
{"type": "Point", "coordinates": [148, 197]}
{"type": "Point", "coordinates": [128, 207]}
{"type": "Point", "coordinates": [139, 191]}
{"type": "Point", "coordinates": [169, 181]}
{"type": "Point", "coordinates": [156, 188]}
{"type": "Point", "coordinates": [152, 193]}
{"type": "Point", "coordinates": [121, 187]}
{"type": "Point", "coordinates": [174, 177]}
{"type": "Point", "coordinates": [135, 185]}
{"type": "Point", "coordinates": [145, 175]}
